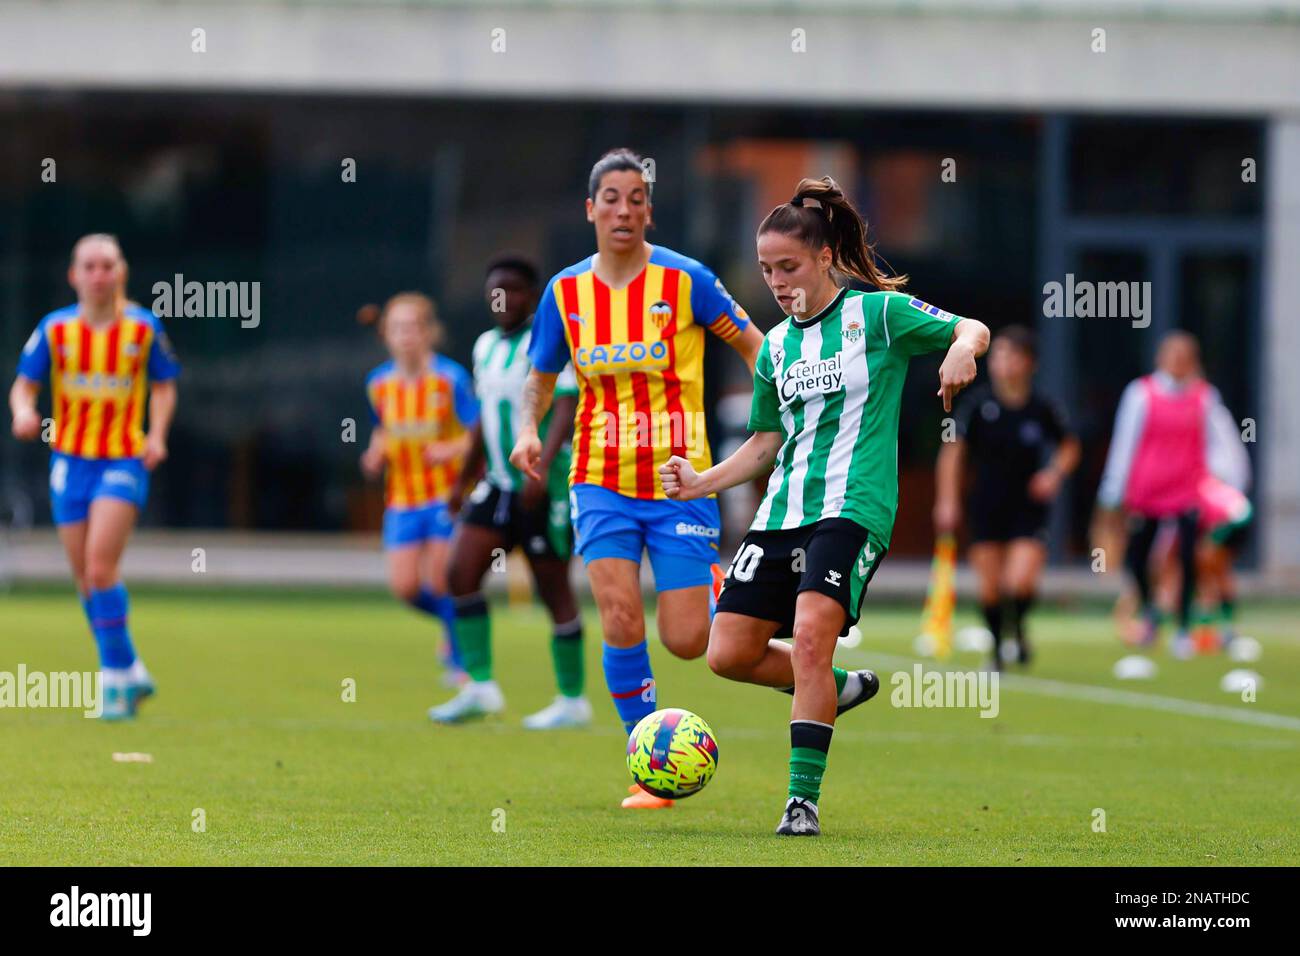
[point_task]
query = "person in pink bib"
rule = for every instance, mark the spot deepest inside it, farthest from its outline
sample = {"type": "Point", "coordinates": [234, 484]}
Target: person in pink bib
{"type": "Point", "coordinates": [1158, 458]}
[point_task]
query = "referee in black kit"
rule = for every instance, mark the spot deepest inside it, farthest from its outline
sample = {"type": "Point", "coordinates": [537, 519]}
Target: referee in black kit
{"type": "Point", "coordinates": [1023, 451]}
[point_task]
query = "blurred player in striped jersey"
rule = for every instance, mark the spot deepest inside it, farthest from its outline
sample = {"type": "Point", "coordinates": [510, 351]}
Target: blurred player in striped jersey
{"type": "Point", "coordinates": [508, 508]}
{"type": "Point", "coordinates": [422, 406]}
{"type": "Point", "coordinates": [631, 319]}
{"type": "Point", "coordinates": [106, 358]}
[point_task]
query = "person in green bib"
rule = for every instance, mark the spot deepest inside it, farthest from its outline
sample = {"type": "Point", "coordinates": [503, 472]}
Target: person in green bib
{"type": "Point", "coordinates": [506, 509]}
{"type": "Point", "coordinates": [827, 388]}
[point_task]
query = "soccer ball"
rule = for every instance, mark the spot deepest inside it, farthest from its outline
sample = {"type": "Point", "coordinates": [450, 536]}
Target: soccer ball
{"type": "Point", "coordinates": [672, 753]}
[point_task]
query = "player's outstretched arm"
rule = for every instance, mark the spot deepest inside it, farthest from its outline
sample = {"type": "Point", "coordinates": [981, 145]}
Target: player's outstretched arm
{"type": "Point", "coordinates": [372, 459]}
{"type": "Point", "coordinates": [162, 409]}
{"type": "Point", "coordinates": [539, 390]}
{"type": "Point", "coordinates": [682, 482]}
{"type": "Point", "coordinates": [970, 340]}
{"type": "Point", "coordinates": [22, 406]}
{"type": "Point", "coordinates": [747, 343]}
{"type": "Point", "coordinates": [452, 449]}
{"type": "Point", "coordinates": [471, 469]}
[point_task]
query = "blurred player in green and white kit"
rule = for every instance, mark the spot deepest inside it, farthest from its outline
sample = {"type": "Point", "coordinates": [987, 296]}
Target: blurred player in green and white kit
{"type": "Point", "coordinates": [828, 385]}
{"type": "Point", "coordinates": [507, 508]}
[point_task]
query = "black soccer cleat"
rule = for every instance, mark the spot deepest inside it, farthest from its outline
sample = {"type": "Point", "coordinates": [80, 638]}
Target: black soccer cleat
{"type": "Point", "coordinates": [799, 819]}
{"type": "Point", "coordinates": [870, 685]}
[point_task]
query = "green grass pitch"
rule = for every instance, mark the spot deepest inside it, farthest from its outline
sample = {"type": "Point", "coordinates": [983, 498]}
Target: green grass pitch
{"type": "Point", "coordinates": [250, 726]}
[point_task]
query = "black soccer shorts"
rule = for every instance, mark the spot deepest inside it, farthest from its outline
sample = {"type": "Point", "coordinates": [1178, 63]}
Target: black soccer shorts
{"type": "Point", "coordinates": [834, 556]}
{"type": "Point", "coordinates": [543, 532]}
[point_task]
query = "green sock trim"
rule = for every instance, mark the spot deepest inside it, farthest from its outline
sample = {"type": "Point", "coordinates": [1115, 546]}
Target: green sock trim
{"type": "Point", "coordinates": [566, 655]}
{"type": "Point", "coordinates": [841, 675]}
{"type": "Point", "coordinates": [806, 769]}
{"type": "Point", "coordinates": [474, 639]}
{"type": "Point", "coordinates": [1227, 610]}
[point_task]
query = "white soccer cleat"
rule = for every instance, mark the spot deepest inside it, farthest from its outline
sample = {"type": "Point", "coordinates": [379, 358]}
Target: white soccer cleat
{"type": "Point", "coordinates": [562, 712]}
{"type": "Point", "coordinates": [474, 700]}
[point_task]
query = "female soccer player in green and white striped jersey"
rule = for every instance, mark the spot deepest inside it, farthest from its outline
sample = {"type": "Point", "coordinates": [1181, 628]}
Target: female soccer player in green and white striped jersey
{"type": "Point", "coordinates": [827, 388]}
{"type": "Point", "coordinates": [508, 508]}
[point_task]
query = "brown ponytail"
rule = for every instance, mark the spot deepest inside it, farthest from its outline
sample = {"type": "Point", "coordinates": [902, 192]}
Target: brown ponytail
{"type": "Point", "coordinates": [821, 215]}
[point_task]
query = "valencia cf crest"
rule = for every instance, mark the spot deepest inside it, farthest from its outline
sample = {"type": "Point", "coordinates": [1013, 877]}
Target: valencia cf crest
{"type": "Point", "coordinates": [661, 313]}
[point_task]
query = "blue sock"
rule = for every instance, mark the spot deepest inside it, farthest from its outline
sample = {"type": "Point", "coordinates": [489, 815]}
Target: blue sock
{"type": "Point", "coordinates": [446, 610]}
{"type": "Point", "coordinates": [630, 682]}
{"type": "Point", "coordinates": [107, 610]}
{"type": "Point", "coordinates": [442, 607]}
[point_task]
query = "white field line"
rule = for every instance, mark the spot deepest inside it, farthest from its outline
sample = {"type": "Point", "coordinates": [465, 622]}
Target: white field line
{"type": "Point", "coordinates": [1099, 695]}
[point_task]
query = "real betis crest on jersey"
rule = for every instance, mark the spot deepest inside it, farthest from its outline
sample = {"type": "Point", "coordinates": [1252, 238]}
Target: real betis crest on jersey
{"type": "Point", "coordinates": [853, 327]}
{"type": "Point", "coordinates": [831, 384]}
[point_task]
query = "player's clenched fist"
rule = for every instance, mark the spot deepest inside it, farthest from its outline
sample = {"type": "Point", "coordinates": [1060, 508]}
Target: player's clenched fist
{"type": "Point", "coordinates": [680, 480]}
{"type": "Point", "coordinates": [527, 455]}
{"type": "Point", "coordinates": [27, 424]}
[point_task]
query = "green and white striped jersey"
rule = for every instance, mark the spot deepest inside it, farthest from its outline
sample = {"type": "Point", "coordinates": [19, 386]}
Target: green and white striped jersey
{"type": "Point", "coordinates": [832, 385]}
{"type": "Point", "coordinates": [500, 368]}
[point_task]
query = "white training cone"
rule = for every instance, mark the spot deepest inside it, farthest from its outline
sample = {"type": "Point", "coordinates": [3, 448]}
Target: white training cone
{"type": "Point", "coordinates": [1244, 650]}
{"type": "Point", "coordinates": [851, 639]}
{"type": "Point", "coordinates": [923, 646]}
{"type": "Point", "coordinates": [976, 639]}
{"type": "Point", "coordinates": [1135, 667]}
{"type": "Point", "coordinates": [1235, 681]}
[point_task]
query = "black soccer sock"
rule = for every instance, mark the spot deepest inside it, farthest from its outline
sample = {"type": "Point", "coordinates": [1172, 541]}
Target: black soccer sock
{"type": "Point", "coordinates": [1019, 611]}
{"type": "Point", "coordinates": [1142, 535]}
{"type": "Point", "coordinates": [1187, 523]}
{"type": "Point", "coordinates": [993, 620]}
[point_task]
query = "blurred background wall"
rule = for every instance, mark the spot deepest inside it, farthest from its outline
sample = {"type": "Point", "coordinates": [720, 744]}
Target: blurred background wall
{"type": "Point", "coordinates": [473, 125]}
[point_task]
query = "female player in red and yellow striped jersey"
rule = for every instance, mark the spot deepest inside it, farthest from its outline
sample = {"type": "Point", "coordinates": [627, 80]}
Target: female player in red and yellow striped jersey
{"type": "Point", "coordinates": [422, 405]}
{"type": "Point", "coordinates": [106, 359]}
{"type": "Point", "coordinates": [632, 319]}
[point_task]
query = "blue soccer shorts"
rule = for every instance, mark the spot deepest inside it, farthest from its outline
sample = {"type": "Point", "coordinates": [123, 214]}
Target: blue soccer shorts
{"type": "Point", "coordinates": [76, 482]}
{"type": "Point", "coordinates": [404, 527]}
{"type": "Point", "coordinates": [680, 536]}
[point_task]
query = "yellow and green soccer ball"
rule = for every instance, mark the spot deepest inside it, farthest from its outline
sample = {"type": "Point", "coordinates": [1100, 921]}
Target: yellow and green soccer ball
{"type": "Point", "coordinates": [672, 753]}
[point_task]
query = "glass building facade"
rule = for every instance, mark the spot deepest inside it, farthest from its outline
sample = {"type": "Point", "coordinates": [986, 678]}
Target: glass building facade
{"type": "Point", "coordinates": [979, 209]}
